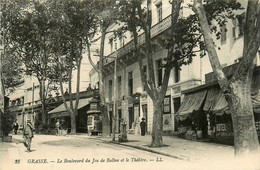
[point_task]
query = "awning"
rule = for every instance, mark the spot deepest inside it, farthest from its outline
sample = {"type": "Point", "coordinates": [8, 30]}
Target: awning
{"type": "Point", "coordinates": [215, 101]}
{"type": "Point", "coordinates": [191, 102]}
{"type": "Point", "coordinates": [221, 106]}
{"type": "Point", "coordinates": [61, 108]}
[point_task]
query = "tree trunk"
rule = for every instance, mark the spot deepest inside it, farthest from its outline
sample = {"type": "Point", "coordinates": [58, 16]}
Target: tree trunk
{"type": "Point", "coordinates": [245, 135]}
{"type": "Point", "coordinates": [105, 121]}
{"type": "Point", "coordinates": [42, 96]}
{"type": "Point", "coordinates": [2, 93]}
{"type": "Point", "coordinates": [104, 106]}
{"type": "Point", "coordinates": [157, 124]}
{"type": "Point", "coordinates": [73, 122]}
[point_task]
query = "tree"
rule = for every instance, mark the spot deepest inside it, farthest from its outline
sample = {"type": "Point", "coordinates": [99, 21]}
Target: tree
{"type": "Point", "coordinates": [72, 25]}
{"type": "Point", "coordinates": [27, 34]}
{"type": "Point", "coordinates": [183, 41]}
{"type": "Point", "coordinates": [237, 89]}
{"type": "Point", "coordinates": [137, 18]}
{"type": "Point", "coordinates": [106, 15]}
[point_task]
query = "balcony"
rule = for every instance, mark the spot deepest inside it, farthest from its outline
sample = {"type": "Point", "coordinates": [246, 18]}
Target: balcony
{"type": "Point", "coordinates": [155, 31]}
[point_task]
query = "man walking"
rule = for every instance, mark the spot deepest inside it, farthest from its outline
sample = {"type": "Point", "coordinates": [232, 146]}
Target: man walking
{"type": "Point", "coordinates": [15, 126]}
{"type": "Point", "coordinates": [28, 135]}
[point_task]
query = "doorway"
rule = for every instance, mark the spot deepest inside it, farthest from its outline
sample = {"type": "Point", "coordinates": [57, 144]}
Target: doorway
{"type": "Point", "coordinates": [119, 120]}
{"type": "Point", "coordinates": [131, 116]}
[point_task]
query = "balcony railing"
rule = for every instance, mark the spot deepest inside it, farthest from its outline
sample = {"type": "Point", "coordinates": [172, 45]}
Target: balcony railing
{"type": "Point", "coordinates": [155, 30]}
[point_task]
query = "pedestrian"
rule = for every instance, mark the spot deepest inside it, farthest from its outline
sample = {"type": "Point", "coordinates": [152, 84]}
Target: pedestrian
{"type": "Point", "coordinates": [28, 135]}
{"type": "Point", "coordinates": [143, 126]}
{"type": "Point", "coordinates": [57, 127]}
{"type": "Point", "coordinates": [15, 126]}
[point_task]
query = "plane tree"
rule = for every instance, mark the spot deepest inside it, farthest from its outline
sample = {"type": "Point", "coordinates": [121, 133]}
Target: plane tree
{"type": "Point", "coordinates": [237, 89]}
{"type": "Point", "coordinates": [183, 41]}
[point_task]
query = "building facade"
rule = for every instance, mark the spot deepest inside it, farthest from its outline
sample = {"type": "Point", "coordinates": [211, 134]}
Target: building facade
{"type": "Point", "coordinates": [132, 101]}
{"type": "Point", "coordinates": [25, 101]}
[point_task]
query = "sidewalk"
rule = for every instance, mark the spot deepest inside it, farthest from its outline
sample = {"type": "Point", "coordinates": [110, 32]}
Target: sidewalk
{"type": "Point", "coordinates": [204, 155]}
{"type": "Point", "coordinates": [178, 148]}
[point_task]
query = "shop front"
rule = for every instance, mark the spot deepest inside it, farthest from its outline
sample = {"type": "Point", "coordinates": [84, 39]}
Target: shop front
{"type": "Point", "coordinates": [62, 115]}
{"type": "Point", "coordinates": [191, 117]}
{"type": "Point", "coordinates": [205, 109]}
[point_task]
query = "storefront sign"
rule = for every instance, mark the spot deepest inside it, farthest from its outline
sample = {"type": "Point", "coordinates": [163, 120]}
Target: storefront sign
{"type": "Point", "coordinates": [93, 106]}
{"type": "Point", "coordinates": [167, 105]}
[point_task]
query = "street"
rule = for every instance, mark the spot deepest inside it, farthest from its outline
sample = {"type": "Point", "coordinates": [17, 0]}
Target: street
{"type": "Point", "coordinates": [74, 152]}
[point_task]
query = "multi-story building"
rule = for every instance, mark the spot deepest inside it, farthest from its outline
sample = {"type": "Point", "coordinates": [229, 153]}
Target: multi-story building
{"type": "Point", "coordinates": [132, 100]}
{"type": "Point", "coordinates": [25, 101]}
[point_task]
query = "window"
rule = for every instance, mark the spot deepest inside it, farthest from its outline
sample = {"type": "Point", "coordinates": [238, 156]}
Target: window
{"type": "Point", "coordinates": [130, 83]}
{"type": "Point", "coordinates": [159, 11]}
{"type": "Point", "coordinates": [110, 83]}
{"type": "Point", "coordinates": [159, 72]}
{"type": "Point", "coordinates": [234, 21]}
{"type": "Point", "coordinates": [176, 107]}
{"type": "Point", "coordinates": [119, 84]}
{"type": "Point", "coordinates": [241, 21]}
{"type": "Point", "coordinates": [176, 75]}
{"type": "Point", "coordinates": [145, 74]}
{"type": "Point", "coordinates": [97, 85]}
{"type": "Point", "coordinates": [111, 44]}
{"type": "Point", "coordinates": [121, 41]}
{"type": "Point", "coordinates": [144, 108]}
{"type": "Point", "coordinates": [223, 34]}
{"type": "Point", "coordinates": [234, 32]}
{"type": "Point", "coordinates": [176, 104]}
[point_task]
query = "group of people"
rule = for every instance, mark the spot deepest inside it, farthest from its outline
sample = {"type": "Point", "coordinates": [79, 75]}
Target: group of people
{"type": "Point", "coordinates": [27, 133]}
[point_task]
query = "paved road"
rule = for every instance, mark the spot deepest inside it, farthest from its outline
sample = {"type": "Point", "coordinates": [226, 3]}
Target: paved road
{"type": "Point", "coordinates": [75, 152]}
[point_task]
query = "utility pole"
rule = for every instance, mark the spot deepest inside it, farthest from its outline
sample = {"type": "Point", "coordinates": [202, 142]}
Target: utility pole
{"type": "Point", "coordinates": [115, 97]}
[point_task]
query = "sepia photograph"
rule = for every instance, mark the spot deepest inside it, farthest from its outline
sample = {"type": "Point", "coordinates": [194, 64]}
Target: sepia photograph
{"type": "Point", "coordinates": [130, 84]}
